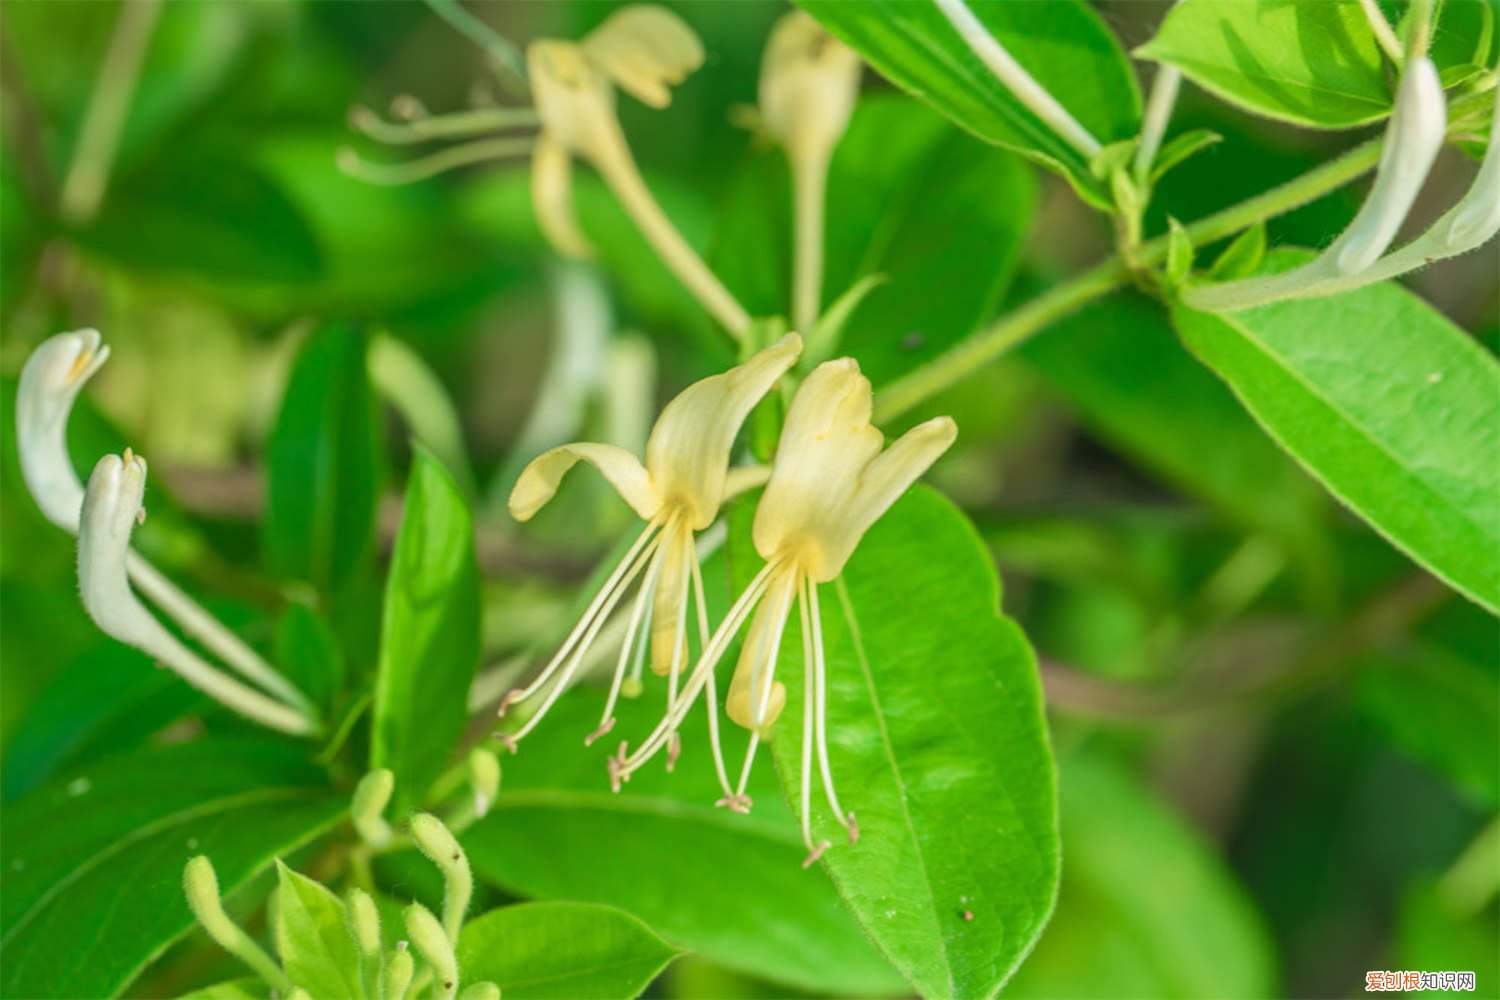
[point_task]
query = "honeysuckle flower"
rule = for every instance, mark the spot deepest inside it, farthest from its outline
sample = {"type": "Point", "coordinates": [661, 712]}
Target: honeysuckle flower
{"type": "Point", "coordinates": [1413, 139]}
{"type": "Point", "coordinates": [830, 481]}
{"type": "Point", "coordinates": [643, 49]}
{"type": "Point", "coordinates": [677, 492]}
{"type": "Point", "coordinates": [50, 382]}
{"type": "Point", "coordinates": [809, 82]}
{"type": "Point", "coordinates": [112, 506]}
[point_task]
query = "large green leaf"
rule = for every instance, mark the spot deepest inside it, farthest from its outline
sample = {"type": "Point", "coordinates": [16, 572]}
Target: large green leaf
{"type": "Point", "coordinates": [93, 860]}
{"type": "Point", "coordinates": [937, 743]}
{"type": "Point", "coordinates": [429, 643]}
{"type": "Point", "coordinates": [1391, 406]}
{"type": "Point", "coordinates": [1309, 62]}
{"type": "Point", "coordinates": [323, 463]}
{"type": "Point", "coordinates": [1154, 911]}
{"type": "Point", "coordinates": [1062, 44]}
{"type": "Point", "coordinates": [728, 887]}
{"type": "Point", "coordinates": [562, 951]}
{"type": "Point", "coordinates": [209, 217]}
{"type": "Point", "coordinates": [1120, 366]}
{"type": "Point", "coordinates": [940, 215]}
{"type": "Point", "coordinates": [313, 937]}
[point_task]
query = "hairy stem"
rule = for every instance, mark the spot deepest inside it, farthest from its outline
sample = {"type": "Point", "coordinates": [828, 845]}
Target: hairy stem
{"type": "Point", "coordinates": [1005, 333]}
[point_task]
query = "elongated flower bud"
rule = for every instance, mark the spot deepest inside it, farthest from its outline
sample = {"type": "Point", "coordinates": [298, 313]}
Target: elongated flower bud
{"type": "Point", "coordinates": [201, 886]}
{"type": "Point", "coordinates": [371, 796]}
{"type": "Point", "coordinates": [437, 842]}
{"type": "Point", "coordinates": [49, 385]}
{"type": "Point", "coordinates": [484, 778]}
{"type": "Point", "coordinates": [432, 944]}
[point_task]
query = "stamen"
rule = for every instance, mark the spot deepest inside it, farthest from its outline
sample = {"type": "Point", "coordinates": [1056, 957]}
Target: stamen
{"type": "Point", "coordinates": [455, 125]}
{"type": "Point", "coordinates": [408, 108]}
{"type": "Point", "coordinates": [706, 663]}
{"type": "Point", "coordinates": [807, 731]}
{"type": "Point", "coordinates": [421, 169]}
{"type": "Point", "coordinates": [644, 600]}
{"type": "Point", "coordinates": [815, 853]}
{"type": "Point", "coordinates": [79, 364]}
{"type": "Point", "coordinates": [820, 725]}
{"type": "Point", "coordinates": [674, 750]}
{"type": "Point", "coordinates": [712, 700]}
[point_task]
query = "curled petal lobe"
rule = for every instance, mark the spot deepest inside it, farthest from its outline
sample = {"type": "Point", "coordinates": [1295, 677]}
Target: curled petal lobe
{"type": "Point", "coordinates": [688, 452]}
{"type": "Point", "coordinates": [538, 482]}
{"type": "Point", "coordinates": [552, 200]}
{"type": "Point", "coordinates": [645, 49]}
{"type": "Point", "coordinates": [825, 445]}
{"type": "Point", "coordinates": [1477, 216]}
{"type": "Point", "coordinates": [49, 385]}
{"type": "Point", "coordinates": [809, 82]}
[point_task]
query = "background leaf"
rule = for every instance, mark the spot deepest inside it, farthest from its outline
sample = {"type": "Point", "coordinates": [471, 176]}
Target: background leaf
{"type": "Point", "coordinates": [937, 744]}
{"type": "Point", "coordinates": [1062, 44]}
{"type": "Point", "coordinates": [323, 463]}
{"type": "Point", "coordinates": [429, 642]}
{"type": "Point", "coordinates": [728, 887]}
{"type": "Point", "coordinates": [940, 215]}
{"type": "Point", "coordinates": [122, 830]}
{"type": "Point", "coordinates": [312, 938]}
{"type": "Point", "coordinates": [1391, 406]}
{"type": "Point", "coordinates": [1158, 915]}
{"type": "Point", "coordinates": [562, 951]}
{"type": "Point", "coordinates": [1309, 62]}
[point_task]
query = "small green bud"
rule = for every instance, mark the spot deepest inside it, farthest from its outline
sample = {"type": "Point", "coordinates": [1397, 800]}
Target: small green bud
{"type": "Point", "coordinates": [437, 842]}
{"type": "Point", "coordinates": [432, 942]}
{"type": "Point", "coordinates": [400, 967]}
{"type": "Point", "coordinates": [201, 886]}
{"type": "Point", "coordinates": [364, 921]}
{"type": "Point", "coordinates": [371, 796]}
{"type": "Point", "coordinates": [1179, 255]}
{"type": "Point", "coordinates": [484, 777]}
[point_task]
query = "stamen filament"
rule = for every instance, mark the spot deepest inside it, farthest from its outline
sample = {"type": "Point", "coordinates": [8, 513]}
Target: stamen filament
{"type": "Point", "coordinates": [644, 603]}
{"type": "Point", "coordinates": [421, 169]}
{"type": "Point", "coordinates": [820, 724]}
{"type": "Point", "coordinates": [622, 766]}
{"type": "Point", "coordinates": [808, 701]}
{"type": "Point", "coordinates": [600, 607]}
{"type": "Point", "coordinates": [763, 674]}
{"type": "Point", "coordinates": [712, 699]}
{"type": "Point", "coordinates": [454, 125]}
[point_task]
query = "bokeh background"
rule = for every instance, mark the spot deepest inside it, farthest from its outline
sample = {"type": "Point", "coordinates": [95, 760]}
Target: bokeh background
{"type": "Point", "coordinates": [1278, 738]}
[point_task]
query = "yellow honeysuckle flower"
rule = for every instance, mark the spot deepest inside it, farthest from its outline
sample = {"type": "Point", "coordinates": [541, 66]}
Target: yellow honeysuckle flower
{"type": "Point", "coordinates": [643, 49]}
{"type": "Point", "coordinates": [830, 482]}
{"type": "Point", "coordinates": [677, 491]}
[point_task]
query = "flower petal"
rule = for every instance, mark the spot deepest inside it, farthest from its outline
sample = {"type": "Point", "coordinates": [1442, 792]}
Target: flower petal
{"type": "Point", "coordinates": [574, 100]}
{"type": "Point", "coordinates": [644, 48]}
{"type": "Point", "coordinates": [50, 382]}
{"type": "Point", "coordinates": [824, 447]}
{"type": "Point", "coordinates": [538, 482]}
{"type": "Point", "coordinates": [670, 601]}
{"type": "Point", "coordinates": [882, 483]}
{"type": "Point", "coordinates": [552, 199]}
{"type": "Point", "coordinates": [688, 453]}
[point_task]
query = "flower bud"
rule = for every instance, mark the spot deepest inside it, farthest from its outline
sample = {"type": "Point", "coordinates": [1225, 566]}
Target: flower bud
{"type": "Point", "coordinates": [434, 946]}
{"type": "Point", "coordinates": [437, 842]}
{"type": "Point", "coordinates": [364, 922]}
{"type": "Point", "coordinates": [484, 778]}
{"type": "Point", "coordinates": [371, 796]}
{"type": "Point", "coordinates": [809, 82]}
{"type": "Point", "coordinates": [49, 385]}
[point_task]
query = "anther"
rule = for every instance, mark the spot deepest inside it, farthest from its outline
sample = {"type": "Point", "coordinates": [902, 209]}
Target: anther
{"type": "Point", "coordinates": [609, 724]}
{"type": "Point", "coordinates": [815, 854]}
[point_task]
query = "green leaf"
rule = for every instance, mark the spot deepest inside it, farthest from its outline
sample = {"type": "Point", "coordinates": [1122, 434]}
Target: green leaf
{"type": "Point", "coordinates": [1386, 402]}
{"type": "Point", "coordinates": [728, 887]}
{"type": "Point", "coordinates": [1308, 62]}
{"type": "Point", "coordinates": [1063, 45]}
{"type": "Point", "coordinates": [1431, 936]}
{"type": "Point", "coordinates": [1180, 149]}
{"type": "Point", "coordinates": [1156, 912]}
{"type": "Point", "coordinates": [308, 653]}
{"type": "Point", "coordinates": [323, 463]}
{"type": "Point", "coordinates": [93, 860]}
{"type": "Point", "coordinates": [248, 988]}
{"type": "Point", "coordinates": [1179, 253]}
{"type": "Point", "coordinates": [1242, 256]}
{"type": "Point", "coordinates": [562, 951]}
{"type": "Point", "coordinates": [941, 216]}
{"type": "Point", "coordinates": [219, 220]}
{"type": "Point", "coordinates": [429, 642]}
{"type": "Point", "coordinates": [951, 776]}
{"type": "Point", "coordinates": [1188, 429]}
{"type": "Point", "coordinates": [313, 938]}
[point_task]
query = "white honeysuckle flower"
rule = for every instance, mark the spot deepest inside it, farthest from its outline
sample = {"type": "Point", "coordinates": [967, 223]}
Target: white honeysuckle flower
{"type": "Point", "coordinates": [809, 83]}
{"type": "Point", "coordinates": [1413, 139]}
{"type": "Point", "coordinates": [642, 49]}
{"type": "Point", "coordinates": [111, 507]}
{"type": "Point", "coordinates": [831, 480]}
{"type": "Point", "coordinates": [50, 382]}
{"type": "Point", "coordinates": [677, 492]}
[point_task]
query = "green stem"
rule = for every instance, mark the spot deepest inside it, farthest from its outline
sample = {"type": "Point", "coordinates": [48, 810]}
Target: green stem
{"type": "Point", "coordinates": [104, 121]}
{"type": "Point", "coordinates": [1061, 301]}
